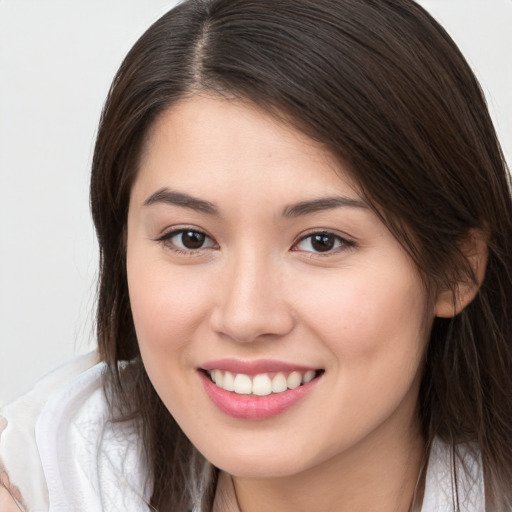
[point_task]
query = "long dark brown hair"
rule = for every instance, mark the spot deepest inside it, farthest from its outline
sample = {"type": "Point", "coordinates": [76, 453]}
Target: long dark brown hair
{"type": "Point", "coordinates": [383, 86]}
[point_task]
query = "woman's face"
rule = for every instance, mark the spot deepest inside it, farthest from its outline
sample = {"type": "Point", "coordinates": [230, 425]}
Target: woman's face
{"type": "Point", "coordinates": [252, 260]}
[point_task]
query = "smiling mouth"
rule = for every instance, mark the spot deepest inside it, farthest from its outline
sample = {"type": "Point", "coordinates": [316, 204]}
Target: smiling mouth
{"type": "Point", "coordinates": [262, 384]}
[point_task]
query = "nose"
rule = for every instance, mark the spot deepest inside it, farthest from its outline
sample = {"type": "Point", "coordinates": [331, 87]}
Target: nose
{"type": "Point", "coordinates": [251, 302]}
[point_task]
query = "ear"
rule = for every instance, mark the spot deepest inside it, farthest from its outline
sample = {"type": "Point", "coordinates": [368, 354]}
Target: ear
{"type": "Point", "coordinates": [451, 302]}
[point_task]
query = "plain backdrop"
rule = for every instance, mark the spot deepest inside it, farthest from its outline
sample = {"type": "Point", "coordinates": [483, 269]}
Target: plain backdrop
{"type": "Point", "coordinates": [57, 58]}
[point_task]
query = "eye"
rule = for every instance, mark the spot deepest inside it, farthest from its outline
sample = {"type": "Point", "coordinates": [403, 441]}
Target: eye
{"type": "Point", "coordinates": [323, 242]}
{"type": "Point", "coordinates": [187, 240]}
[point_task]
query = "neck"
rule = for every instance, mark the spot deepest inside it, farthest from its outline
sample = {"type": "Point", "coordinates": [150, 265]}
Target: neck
{"type": "Point", "coordinates": [379, 473]}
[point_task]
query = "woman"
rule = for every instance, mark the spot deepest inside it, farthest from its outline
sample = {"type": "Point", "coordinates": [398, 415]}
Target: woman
{"type": "Point", "coordinates": [305, 229]}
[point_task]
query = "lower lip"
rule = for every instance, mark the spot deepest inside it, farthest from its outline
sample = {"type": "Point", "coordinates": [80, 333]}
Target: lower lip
{"type": "Point", "coordinates": [251, 407]}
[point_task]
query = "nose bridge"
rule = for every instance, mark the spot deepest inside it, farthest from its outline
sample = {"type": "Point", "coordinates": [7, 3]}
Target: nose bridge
{"type": "Point", "coordinates": [251, 301]}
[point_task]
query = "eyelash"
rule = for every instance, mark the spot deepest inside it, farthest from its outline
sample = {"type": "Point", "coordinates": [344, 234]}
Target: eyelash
{"type": "Point", "coordinates": [343, 243]}
{"type": "Point", "coordinates": [166, 241]}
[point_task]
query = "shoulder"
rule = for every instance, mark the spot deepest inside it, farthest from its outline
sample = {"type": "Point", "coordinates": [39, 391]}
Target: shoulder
{"type": "Point", "coordinates": [76, 456]}
{"type": "Point", "coordinates": [20, 464]}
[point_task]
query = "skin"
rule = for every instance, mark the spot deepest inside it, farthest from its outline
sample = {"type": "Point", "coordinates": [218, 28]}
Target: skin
{"type": "Point", "coordinates": [258, 290]}
{"type": "Point", "coordinates": [7, 501]}
{"type": "Point", "coordinates": [8, 493]}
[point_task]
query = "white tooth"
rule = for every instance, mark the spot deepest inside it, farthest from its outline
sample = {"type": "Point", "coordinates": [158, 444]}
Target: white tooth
{"type": "Point", "coordinates": [243, 384]}
{"type": "Point", "coordinates": [261, 385]}
{"type": "Point", "coordinates": [308, 376]}
{"type": "Point", "coordinates": [294, 379]}
{"type": "Point", "coordinates": [279, 383]}
{"type": "Point", "coordinates": [218, 377]}
{"type": "Point", "coordinates": [228, 382]}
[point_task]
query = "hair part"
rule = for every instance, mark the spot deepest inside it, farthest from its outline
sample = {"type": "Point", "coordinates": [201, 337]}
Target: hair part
{"type": "Point", "coordinates": [383, 86]}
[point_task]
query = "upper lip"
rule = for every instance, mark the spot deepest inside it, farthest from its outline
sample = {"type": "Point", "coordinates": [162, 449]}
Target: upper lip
{"type": "Point", "coordinates": [254, 367]}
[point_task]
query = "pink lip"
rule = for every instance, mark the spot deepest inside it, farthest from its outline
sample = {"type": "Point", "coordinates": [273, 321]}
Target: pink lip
{"type": "Point", "coordinates": [251, 407]}
{"type": "Point", "coordinates": [254, 367]}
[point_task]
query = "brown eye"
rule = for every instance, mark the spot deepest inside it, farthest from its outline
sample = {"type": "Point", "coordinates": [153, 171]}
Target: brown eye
{"type": "Point", "coordinates": [182, 240]}
{"type": "Point", "coordinates": [192, 239]}
{"type": "Point", "coordinates": [322, 242]}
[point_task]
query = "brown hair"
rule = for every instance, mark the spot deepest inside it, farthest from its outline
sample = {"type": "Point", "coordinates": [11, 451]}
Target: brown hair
{"type": "Point", "coordinates": [385, 87]}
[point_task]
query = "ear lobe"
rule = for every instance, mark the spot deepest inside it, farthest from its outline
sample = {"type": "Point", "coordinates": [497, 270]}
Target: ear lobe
{"type": "Point", "coordinates": [451, 302]}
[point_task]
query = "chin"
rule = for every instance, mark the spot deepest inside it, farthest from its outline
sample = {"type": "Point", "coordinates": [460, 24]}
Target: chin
{"type": "Point", "coordinates": [262, 463]}
{"type": "Point", "coordinates": [259, 469]}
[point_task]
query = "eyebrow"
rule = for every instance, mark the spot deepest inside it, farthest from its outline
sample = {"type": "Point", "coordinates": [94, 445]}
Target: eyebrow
{"type": "Point", "coordinates": [318, 205]}
{"type": "Point", "coordinates": [171, 197]}
{"type": "Point", "coordinates": [166, 196]}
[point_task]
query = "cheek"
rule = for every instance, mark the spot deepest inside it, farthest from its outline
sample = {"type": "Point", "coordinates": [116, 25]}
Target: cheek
{"type": "Point", "coordinates": [370, 322]}
{"type": "Point", "coordinates": [167, 309]}
{"type": "Point", "coordinates": [166, 306]}
{"type": "Point", "coordinates": [376, 337]}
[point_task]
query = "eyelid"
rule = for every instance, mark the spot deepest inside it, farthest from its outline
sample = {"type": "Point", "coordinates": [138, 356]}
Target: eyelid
{"type": "Point", "coordinates": [165, 239]}
{"type": "Point", "coordinates": [168, 234]}
{"type": "Point", "coordinates": [346, 242]}
{"type": "Point", "coordinates": [170, 231]}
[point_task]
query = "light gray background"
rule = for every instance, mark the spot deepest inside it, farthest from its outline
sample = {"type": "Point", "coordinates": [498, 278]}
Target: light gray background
{"type": "Point", "coordinates": [57, 58]}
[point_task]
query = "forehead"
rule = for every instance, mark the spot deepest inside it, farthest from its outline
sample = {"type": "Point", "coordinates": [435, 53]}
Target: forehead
{"type": "Point", "coordinates": [206, 142]}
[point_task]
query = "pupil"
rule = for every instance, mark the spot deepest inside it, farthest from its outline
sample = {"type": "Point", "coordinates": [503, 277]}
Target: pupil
{"type": "Point", "coordinates": [322, 243]}
{"type": "Point", "coordinates": [192, 239]}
